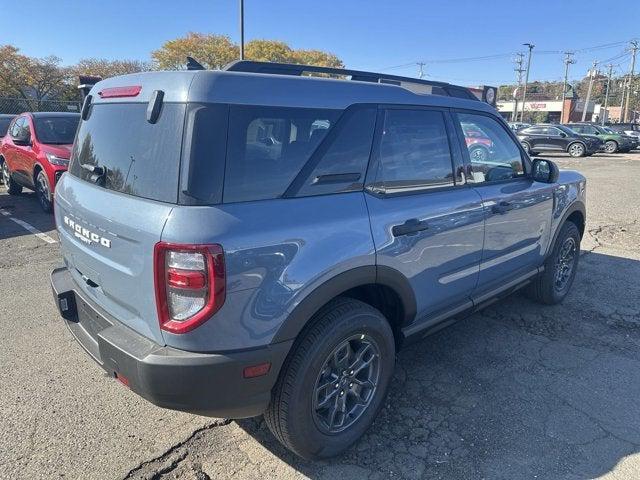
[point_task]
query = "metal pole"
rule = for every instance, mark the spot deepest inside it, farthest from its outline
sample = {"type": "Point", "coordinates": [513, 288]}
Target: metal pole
{"type": "Point", "coordinates": [567, 61]}
{"type": "Point", "coordinates": [634, 51]}
{"type": "Point", "coordinates": [421, 71]}
{"type": "Point", "coordinates": [605, 115]}
{"type": "Point", "coordinates": [624, 85]}
{"type": "Point", "coordinates": [241, 29]}
{"type": "Point", "coordinates": [592, 74]}
{"type": "Point", "coordinates": [519, 60]}
{"type": "Point", "coordinates": [526, 80]}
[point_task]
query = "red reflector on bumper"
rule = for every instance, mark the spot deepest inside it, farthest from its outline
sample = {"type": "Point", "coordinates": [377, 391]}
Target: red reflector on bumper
{"type": "Point", "coordinates": [122, 380]}
{"type": "Point", "coordinates": [256, 370]}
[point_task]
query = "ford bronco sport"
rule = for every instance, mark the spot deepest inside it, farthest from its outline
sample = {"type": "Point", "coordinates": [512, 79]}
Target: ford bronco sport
{"type": "Point", "coordinates": [256, 241]}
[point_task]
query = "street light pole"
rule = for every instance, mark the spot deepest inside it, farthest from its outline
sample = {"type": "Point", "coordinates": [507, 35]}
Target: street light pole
{"type": "Point", "coordinates": [567, 61]}
{"type": "Point", "coordinates": [526, 80]}
{"type": "Point", "coordinates": [241, 29]}
{"type": "Point", "coordinates": [634, 51]}
{"type": "Point", "coordinates": [592, 74]}
{"type": "Point", "coordinates": [605, 115]}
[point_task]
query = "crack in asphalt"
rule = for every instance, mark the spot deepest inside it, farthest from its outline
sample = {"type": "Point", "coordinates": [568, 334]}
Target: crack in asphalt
{"type": "Point", "coordinates": [167, 454]}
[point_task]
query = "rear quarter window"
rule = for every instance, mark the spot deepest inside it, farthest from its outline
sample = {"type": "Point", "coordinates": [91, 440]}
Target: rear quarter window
{"type": "Point", "coordinates": [140, 158]}
{"type": "Point", "coordinates": [268, 146]}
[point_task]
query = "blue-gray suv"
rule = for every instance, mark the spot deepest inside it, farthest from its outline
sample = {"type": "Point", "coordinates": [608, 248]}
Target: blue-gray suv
{"type": "Point", "coordinates": [260, 241]}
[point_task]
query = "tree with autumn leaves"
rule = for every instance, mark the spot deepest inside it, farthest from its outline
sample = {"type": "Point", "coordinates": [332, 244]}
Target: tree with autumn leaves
{"type": "Point", "coordinates": [26, 77]}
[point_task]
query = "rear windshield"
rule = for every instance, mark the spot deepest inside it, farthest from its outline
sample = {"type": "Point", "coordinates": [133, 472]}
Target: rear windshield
{"type": "Point", "coordinates": [56, 130]}
{"type": "Point", "coordinates": [4, 125]}
{"type": "Point", "coordinates": [138, 158]}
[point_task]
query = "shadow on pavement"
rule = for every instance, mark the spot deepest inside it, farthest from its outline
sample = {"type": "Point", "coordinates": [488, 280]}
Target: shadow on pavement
{"type": "Point", "coordinates": [24, 207]}
{"type": "Point", "coordinates": [518, 390]}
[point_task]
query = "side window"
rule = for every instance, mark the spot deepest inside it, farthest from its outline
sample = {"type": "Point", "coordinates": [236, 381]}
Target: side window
{"type": "Point", "coordinates": [342, 166]}
{"type": "Point", "coordinates": [578, 128]}
{"type": "Point", "coordinates": [16, 127]}
{"type": "Point", "coordinates": [414, 151]}
{"type": "Point", "coordinates": [493, 153]}
{"type": "Point", "coordinates": [267, 147]}
{"type": "Point", "coordinates": [533, 131]}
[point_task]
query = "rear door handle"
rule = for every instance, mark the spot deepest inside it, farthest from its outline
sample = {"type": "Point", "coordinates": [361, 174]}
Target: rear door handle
{"type": "Point", "coordinates": [413, 225]}
{"type": "Point", "coordinates": [502, 207]}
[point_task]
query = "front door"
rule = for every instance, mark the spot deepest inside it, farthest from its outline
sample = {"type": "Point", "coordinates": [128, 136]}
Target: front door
{"type": "Point", "coordinates": [427, 223]}
{"type": "Point", "coordinates": [517, 210]}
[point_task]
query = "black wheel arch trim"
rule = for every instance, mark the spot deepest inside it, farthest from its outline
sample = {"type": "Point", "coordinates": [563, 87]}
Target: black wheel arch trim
{"type": "Point", "coordinates": [339, 284]}
{"type": "Point", "coordinates": [576, 206]}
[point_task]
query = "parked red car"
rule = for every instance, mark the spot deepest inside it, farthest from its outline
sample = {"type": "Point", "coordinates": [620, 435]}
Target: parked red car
{"type": "Point", "coordinates": [35, 152]}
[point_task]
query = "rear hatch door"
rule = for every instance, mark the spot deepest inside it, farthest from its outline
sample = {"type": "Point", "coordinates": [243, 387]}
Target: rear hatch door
{"type": "Point", "coordinates": [112, 205]}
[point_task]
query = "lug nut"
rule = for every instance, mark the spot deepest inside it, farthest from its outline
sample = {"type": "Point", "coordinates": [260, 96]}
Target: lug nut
{"type": "Point", "coordinates": [351, 385]}
{"type": "Point", "coordinates": [351, 372]}
{"type": "Point", "coordinates": [337, 385]}
{"type": "Point", "coordinates": [341, 392]}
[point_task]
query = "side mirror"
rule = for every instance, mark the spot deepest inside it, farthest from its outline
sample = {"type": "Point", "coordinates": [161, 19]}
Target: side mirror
{"type": "Point", "coordinates": [545, 171]}
{"type": "Point", "coordinates": [22, 140]}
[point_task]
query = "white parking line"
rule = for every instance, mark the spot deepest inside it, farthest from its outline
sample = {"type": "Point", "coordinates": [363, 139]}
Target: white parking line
{"type": "Point", "coordinates": [42, 236]}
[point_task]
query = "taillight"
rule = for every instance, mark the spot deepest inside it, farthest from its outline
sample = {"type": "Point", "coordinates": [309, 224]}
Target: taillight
{"type": "Point", "coordinates": [190, 284]}
{"type": "Point", "coordinates": [119, 92]}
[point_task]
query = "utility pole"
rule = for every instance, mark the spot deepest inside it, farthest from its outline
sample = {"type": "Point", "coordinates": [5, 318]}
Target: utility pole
{"type": "Point", "coordinates": [567, 61]}
{"type": "Point", "coordinates": [421, 71]}
{"type": "Point", "coordinates": [592, 74]}
{"type": "Point", "coordinates": [634, 51]}
{"type": "Point", "coordinates": [605, 115]}
{"type": "Point", "coordinates": [526, 80]}
{"type": "Point", "coordinates": [519, 60]}
{"type": "Point", "coordinates": [241, 29]}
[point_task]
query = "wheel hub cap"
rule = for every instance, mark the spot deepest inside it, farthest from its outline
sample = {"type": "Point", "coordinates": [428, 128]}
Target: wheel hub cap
{"type": "Point", "coordinates": [346, 384]}
{"type": "Point", "coordinates": [564, 264]}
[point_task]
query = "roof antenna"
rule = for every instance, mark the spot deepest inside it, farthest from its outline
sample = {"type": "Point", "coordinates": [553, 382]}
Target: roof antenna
{"type": "Point", "coordinates": [193, 64]}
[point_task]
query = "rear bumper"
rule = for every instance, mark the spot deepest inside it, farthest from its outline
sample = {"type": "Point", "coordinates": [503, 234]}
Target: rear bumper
{"type": "Point", "coordinates": [209, 384]}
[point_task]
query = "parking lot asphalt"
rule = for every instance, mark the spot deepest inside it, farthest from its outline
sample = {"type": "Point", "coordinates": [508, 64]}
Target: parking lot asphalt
{"type": "Point", "coordinates": [516, 391]}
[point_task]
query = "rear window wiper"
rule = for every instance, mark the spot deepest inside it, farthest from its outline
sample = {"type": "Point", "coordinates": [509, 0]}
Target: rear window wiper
{"type": "Point", "coordinates": [98, 173]}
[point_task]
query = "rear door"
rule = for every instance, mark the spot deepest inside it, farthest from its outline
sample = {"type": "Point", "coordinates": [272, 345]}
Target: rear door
{"type": "Point", "coordinates": [426, 222]}
{"type": "Point", "coordinates": [517, 210]}
{"type": "Point", "coordinates": [112, 206]}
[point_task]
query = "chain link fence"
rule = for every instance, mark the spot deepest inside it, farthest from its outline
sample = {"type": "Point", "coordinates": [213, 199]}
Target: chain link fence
{"type": "Point", "coordinates": [15, 106]}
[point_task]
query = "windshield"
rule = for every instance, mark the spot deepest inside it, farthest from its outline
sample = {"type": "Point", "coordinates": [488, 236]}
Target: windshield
{"type": "Point", "coordinates": [56, 130]}
{"type": "Point", "coordinates": [4, 125]}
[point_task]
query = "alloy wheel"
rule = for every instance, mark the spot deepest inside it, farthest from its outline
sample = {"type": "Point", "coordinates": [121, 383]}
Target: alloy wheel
{"type": "Point", "coordinates": [347, 383]}
{"type": "Point", "coordinates": [610, 147]}
{"type": "Point", "coordinates": [576, 150]}
{"type": "Point", "coordinates": [5, 174]}
{"type": "Point", "coordinates": [565, 262]}
{"type": "Point", "coordinates": [42, 189]}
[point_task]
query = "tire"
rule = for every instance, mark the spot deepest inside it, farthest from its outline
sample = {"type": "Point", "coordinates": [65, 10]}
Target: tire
{"type": "Point", "coordinates": [576, 150]}
{"type": "Point", "coordinates": [610, 146]}
{"type": "Point", "coordinates": [43, 191]}
{"type": "Point", "coordinates": [527, 148]}
{"type": "Point", "coordinates": [13, 188]}
{"type": "Point", "coordinates": [546, 288]}
{"type": "Point", "coordinates": [479, 154]}
{"type": "Point", "coordinates": [296, 415]}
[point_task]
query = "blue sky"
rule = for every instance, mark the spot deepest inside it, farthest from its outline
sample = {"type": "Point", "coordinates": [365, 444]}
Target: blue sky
{"type": "Point", "coordinates": [373, 34]}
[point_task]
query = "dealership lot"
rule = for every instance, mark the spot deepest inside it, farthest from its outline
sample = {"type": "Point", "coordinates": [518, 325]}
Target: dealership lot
{"type": "Point", "coordinates": [518, 391]}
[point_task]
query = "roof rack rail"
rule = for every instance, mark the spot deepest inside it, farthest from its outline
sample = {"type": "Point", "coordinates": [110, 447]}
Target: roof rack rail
{"type": "Point", "coordinates": [437, 88]}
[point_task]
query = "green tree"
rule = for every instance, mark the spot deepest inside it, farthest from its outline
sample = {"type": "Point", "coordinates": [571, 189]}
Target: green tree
{"type": "Point", "coordinates": [268, 51]}
{"type": "Point", "coordinates": [30, 78]}
{"type": "Point", "coordinates": [212, 51]}
{"type": "Point", "coordinates": [104, 68]}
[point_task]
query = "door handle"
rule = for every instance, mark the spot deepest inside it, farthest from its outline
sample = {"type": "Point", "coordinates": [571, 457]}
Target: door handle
{"type": "Point", "coordinates": [411, 226]}
{"type": "Point", "coordinates": [502, 208]}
